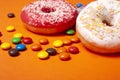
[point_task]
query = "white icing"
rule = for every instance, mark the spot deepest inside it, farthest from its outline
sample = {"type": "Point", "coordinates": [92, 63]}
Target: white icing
{"type": "Point", "coordinates": [90, 24]}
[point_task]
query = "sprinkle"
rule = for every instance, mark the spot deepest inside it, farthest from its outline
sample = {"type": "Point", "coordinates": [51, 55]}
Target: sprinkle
{"type": "Point", "coordinates": [99, 7]}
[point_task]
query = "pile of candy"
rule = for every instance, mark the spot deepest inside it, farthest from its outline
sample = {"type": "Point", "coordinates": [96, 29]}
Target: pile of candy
{"type": "Point", "coordinates": [58, 45]}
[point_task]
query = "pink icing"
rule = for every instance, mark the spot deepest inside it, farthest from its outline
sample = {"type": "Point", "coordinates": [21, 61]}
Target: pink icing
{"type": "Point", "coordinates": [48, 12]}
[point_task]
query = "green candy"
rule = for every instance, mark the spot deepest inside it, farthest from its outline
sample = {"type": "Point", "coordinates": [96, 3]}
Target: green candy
{"type": "Point", "coordinates": [70, 32]}
{"type": "Point", "coordinates": [16, 40]}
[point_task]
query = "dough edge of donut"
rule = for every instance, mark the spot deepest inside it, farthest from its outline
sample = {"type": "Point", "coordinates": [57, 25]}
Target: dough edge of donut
{"type": "Point", "coordinates": [97, 48]}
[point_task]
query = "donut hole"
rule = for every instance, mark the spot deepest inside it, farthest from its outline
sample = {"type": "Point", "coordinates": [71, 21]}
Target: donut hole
{"type": "Point", "coordinates": [48, 9]}
{"type": "Point", "coordinates": [107, 23]}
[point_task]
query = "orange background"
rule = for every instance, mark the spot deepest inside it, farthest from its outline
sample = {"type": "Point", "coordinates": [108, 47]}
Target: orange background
{"type": "Point", "coordinates": [83, 66]}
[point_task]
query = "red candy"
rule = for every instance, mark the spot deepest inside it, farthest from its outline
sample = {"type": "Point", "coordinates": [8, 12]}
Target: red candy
{"type": "Point", "coordinates": [27, 40]}
{"type": "Point", "coordinates": [0, 34]}
{"type": "Point", "coordinates": [73, 50]}
{"type": "Point", "coordinates": [0, 41]}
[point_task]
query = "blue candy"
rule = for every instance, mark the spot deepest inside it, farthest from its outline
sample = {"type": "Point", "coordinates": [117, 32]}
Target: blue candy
{"type": "Point", "coordinates": [20, 47]}
{"type": "Point", "coordinates": [79, 5]}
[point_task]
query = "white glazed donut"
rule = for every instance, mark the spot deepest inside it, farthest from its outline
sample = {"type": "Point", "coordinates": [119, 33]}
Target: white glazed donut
{"type": "Point", "coordinates": [98, 26]}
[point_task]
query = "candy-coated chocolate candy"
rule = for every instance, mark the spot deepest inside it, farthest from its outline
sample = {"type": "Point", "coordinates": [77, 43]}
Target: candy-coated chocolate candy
{"type": "Point", "coordinates": [20, 35]}
{"type": "Point", "coordinates": [64, 56]}
{"type": "Point", "coordinates": [43, 41]}
{"type": "Point", "coordinates": [58, 43]}
{"type": "Point", "coordinates": [11, 15]}
{"type": "Point", "coordinates": [42, 55]}
{"type": "Point", "coordinates": [13, 52]}
{"type": "Point", "coordinates": [73, 49]}
{"type": "Point", "coordinates": [36, 47]}
{"type": "Point", "coordinates": [61, 49]}
{"type": "Point", "coordinates": [0, 34]}
{"type": "Point", "coordinates": [27, 40]}
{"type": "Point", "coordinates": [0, 42]}
{"type": "Point", "coordinates": [20, 47]}
{"type": "Point", "coordinates": [67, 42]}
{"type": "Point", "coordinates": [70, 32]}
{"type": "Point", "coordinates": [79, 5]}
{"type": "Point", "coordinates": [75, 39]}
{"type": "Point", "coordinates": [51, 51]}
{"type": "Point", "coordinates": [16, 40]}
{"type": "Point", "coordinates": [5, 45]}
{"type": "Point", "coordinates": [10, 28]}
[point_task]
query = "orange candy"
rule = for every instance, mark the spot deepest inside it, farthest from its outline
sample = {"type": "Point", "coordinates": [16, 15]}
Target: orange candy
{"type": "Point", "coordinates": [36, 47]}
{"type": "Point", "coordinates": [67, 42]}
{"type": "Point", "coordinates": [64, 56]}
{"type": "Point", "coordinates": [43, 41]}
{"type": "Point", "coordinates": [75, 39]}
{"type": "Point", "coordinates": [61, 49]}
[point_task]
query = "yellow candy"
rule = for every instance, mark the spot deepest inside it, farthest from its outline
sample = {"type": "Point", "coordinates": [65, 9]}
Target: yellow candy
{"type": "Point", "coordinates": [10, 28]}
{"type": "Point", "coordinates": [43, 55]}
{"type": "Point", "coordinates": [5, 45]}
{"type": "Point", "coordinates": [58, 43]}
{"type": "Point", "coordinates": [18, 35]}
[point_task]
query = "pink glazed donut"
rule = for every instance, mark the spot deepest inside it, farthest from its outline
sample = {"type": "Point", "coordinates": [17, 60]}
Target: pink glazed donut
{"type": "Point", "coordinates": [98, 26]}
{"type": "Point", "coordinates": [49, 16]}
